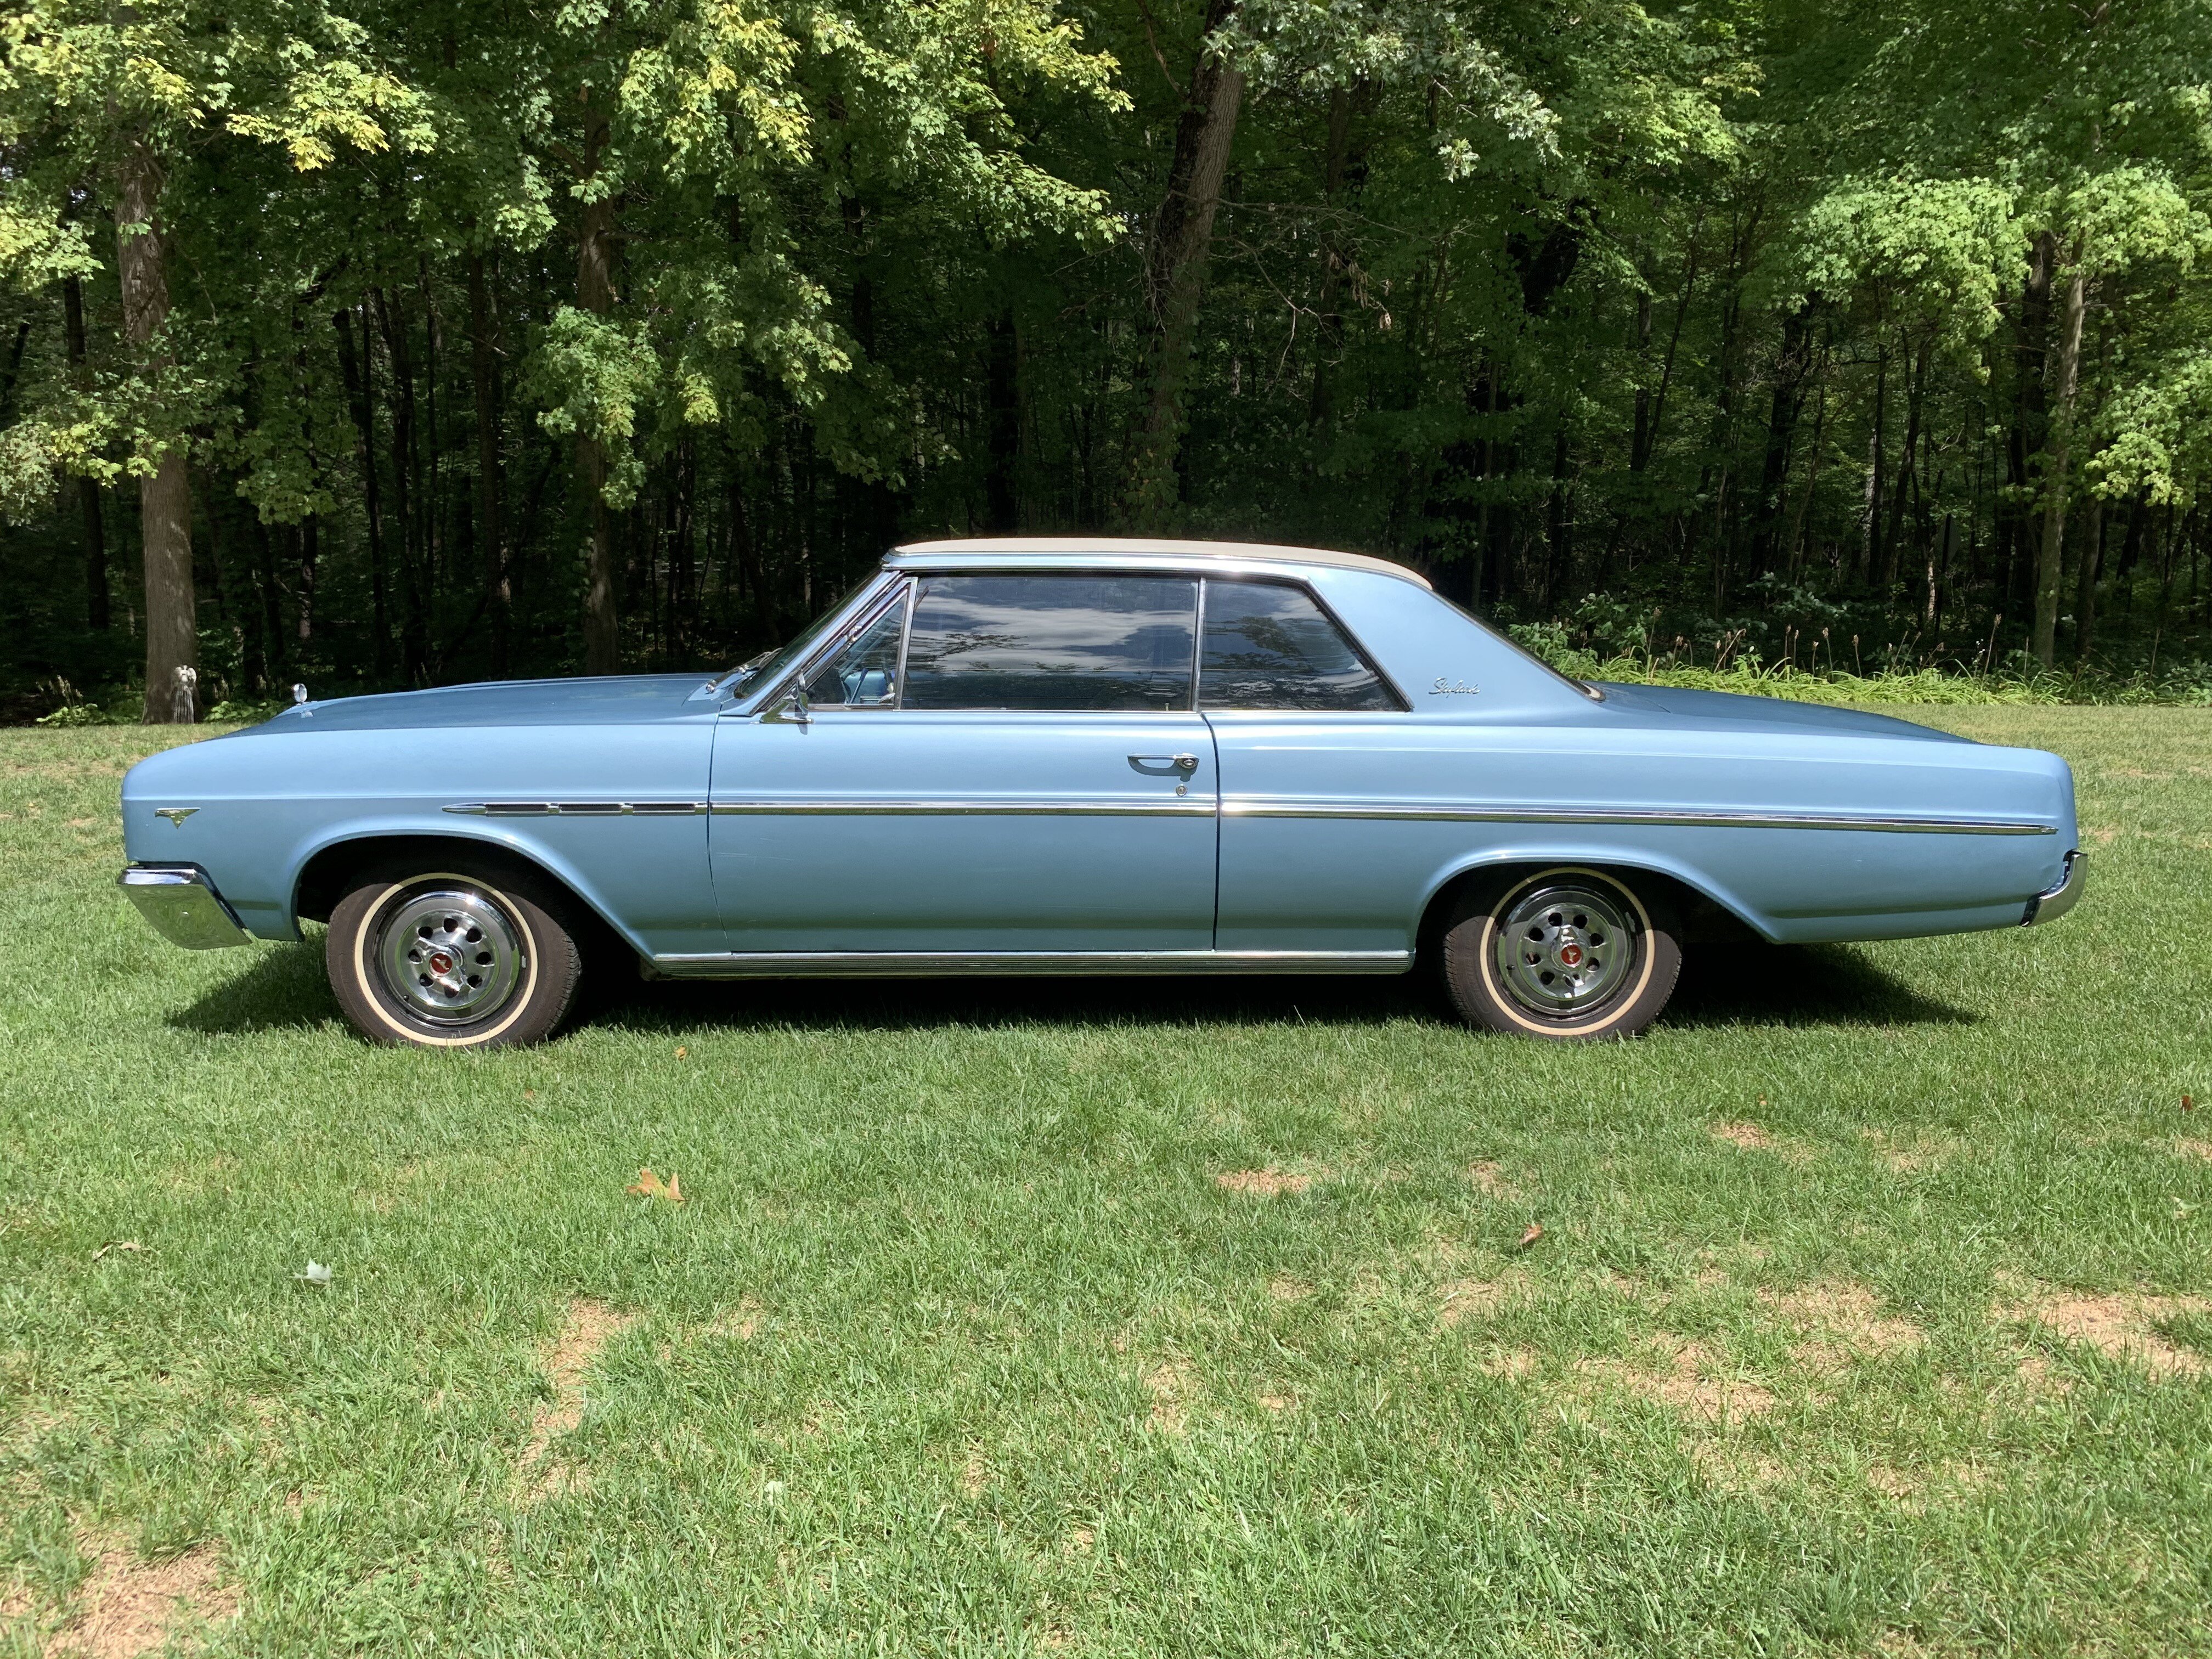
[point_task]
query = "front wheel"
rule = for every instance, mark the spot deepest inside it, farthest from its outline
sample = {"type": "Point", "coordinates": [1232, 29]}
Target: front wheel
{"type": "Point", "coordinates": [452, 958]}
{"type": "Point", "coordinates": [1568, 953]}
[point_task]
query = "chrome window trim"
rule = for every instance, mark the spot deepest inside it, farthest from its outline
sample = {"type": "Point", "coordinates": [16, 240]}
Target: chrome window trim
{"type": "Point", "coordinates": [833, 633]}
{"type": "Point", "coordinates": [1197, 578]}
{"type": "Point", "coordinates": [848, 634]}
{"type": "Point", "coordinates": [575, 809]}
{"type": "Point", "coordinates": [897, 964]}
{"type": "Point", "coordinates": [1248, 807]}
{"type": "Point", "coordinates": [1359, 649]}
{"type": "Point", "coordinates": [906, 636]}
{"type": "Point", "coordinates": [1198, 651]}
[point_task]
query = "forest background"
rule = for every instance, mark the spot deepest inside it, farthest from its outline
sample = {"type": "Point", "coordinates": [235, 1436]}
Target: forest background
{"type": "Point", "coordinates": [396, 342]}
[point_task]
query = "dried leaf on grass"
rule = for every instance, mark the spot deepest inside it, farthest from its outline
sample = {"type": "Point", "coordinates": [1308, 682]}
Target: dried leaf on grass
{"type": "Point", "coordinates": [649, 1185]}
{"type": "Point", "coordinates": [129, 1244]}
{"type": "Point", "coordinates": [1535, 1233]}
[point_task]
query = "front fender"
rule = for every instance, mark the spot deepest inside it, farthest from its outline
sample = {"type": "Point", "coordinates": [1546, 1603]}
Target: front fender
{"type": "Point", "coordinates": [509, 837]}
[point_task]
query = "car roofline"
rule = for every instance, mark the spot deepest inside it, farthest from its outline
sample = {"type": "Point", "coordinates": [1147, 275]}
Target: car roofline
{"type": "Point", "coordinates": [1138, 552]}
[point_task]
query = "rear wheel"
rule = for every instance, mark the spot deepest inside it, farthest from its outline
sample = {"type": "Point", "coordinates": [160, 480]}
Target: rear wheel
{"type": "Point", "coordinates": [1569, 953]}
{"type": "Point", "coordinates": [453, 958]}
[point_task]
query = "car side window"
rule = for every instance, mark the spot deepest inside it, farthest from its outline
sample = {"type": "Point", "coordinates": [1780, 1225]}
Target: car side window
{"type": "Point", "coordinates": [1051, 643]}
{"type": "Point", "coordinates": [865, 674]}
{"type": "Point", "coordinates": [1270, 646]}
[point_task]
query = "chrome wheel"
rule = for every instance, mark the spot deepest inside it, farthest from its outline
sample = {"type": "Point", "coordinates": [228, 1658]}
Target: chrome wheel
{"type": "Point", "coordinates": [450, 955]}
{"type": "Point", "coordinates": [1565, 949]}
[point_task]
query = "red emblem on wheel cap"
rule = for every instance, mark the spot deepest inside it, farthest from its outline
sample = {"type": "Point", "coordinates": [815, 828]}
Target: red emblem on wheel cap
{"type": "Point", "coordinates": [440, 963]}
{"type": "Point", "coordinates": [1571, 954]}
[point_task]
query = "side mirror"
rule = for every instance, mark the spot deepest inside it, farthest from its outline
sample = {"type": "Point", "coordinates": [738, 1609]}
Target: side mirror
{"type": "Point", "coordinates": [793, 710]}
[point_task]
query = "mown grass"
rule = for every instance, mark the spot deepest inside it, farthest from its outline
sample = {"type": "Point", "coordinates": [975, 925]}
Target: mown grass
{"type": "Point", "coordinates": [958, 1343]}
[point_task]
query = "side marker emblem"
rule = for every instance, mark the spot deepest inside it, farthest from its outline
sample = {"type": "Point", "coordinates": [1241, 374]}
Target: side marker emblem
{"type": "Point", "coordinates": [176, 815]}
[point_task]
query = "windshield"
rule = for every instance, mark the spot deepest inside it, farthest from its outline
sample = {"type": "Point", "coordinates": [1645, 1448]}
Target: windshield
{"type": "Point", "coordinates": [769, 665]}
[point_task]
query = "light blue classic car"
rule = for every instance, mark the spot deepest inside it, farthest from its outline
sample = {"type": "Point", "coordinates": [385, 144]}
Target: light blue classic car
{"type": "Point", "coordinates": [1087, 756]}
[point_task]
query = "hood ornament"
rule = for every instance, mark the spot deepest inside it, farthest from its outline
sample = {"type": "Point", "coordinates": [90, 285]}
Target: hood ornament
{"type": "Point", "coordinates": [176, 815]}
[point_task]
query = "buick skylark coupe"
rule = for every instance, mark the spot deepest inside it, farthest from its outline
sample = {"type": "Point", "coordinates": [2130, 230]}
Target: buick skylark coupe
{"type": "Point", "coordinates": [1087, 756]}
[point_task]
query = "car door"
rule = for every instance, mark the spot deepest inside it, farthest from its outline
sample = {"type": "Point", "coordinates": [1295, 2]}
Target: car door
{"type": "Point", "coordinates": [1302, 722]}
{"type": "Point", "coordinates": [988, 764]}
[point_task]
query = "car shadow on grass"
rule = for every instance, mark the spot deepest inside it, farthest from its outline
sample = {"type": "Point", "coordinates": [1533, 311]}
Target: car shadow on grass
{"type": "Point", "coordinates": [1764, 985]}
{"type": "Point", "coordinates": [282, 989]}
{"type": "Point", "coordinates": [1798, 985]}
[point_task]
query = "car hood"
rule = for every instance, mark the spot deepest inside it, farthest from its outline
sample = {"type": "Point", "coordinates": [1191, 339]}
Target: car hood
{"type": "Point", "coordinates": [1731, 708]}
{"type": "Point", "coordinates": [614, 700]}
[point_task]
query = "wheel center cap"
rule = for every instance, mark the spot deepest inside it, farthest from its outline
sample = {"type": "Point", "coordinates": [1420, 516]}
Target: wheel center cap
{"type": "Point", "coordinates": [441, 962]}
{"type": "Point", "coordinates": [1571, 954]}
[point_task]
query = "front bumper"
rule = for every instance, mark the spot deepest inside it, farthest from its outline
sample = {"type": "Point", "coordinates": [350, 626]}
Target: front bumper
{"type": "Point", "coordinates": [183, 905]}
{"type": "Point", "coordinates": [2056, 901]}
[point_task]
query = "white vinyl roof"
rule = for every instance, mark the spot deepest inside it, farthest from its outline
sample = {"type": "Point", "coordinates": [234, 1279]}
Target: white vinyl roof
{"type": "Point", "coordinates": [1143, 550]}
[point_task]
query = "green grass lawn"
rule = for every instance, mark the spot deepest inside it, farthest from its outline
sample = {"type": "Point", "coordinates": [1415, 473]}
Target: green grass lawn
{"type": "Point", "coordinates": [1869, 1312]}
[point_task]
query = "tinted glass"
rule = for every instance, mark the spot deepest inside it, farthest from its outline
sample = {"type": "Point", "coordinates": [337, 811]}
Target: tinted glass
{"type": "Point", "coordinates": [1270, 646]}
{"type": "Point", "coordinates": [865, 674]}
{"type": "Point", "coordinates": [1051, 642]}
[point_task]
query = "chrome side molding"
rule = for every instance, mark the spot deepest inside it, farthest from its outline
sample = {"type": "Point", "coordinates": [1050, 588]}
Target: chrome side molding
{"type": "Point", "coordinates": [183, 906]}
{"type": "Point", "coordinates": [888, 807]}
{"type": "Point", "coordinates": [1249, 806]}
{"type": "Point", "coordinates": [903, 964]}
{"type": "Point", "coordinates": [577, 809]}
{"type": "Point", "coordinates": [2057, 900]}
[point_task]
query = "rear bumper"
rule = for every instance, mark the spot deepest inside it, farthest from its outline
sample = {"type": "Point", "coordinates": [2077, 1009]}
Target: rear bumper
{"type": "Point", "coordinates": [2055, 902]}
{"type": "Point", "coordinates": [183, 905]}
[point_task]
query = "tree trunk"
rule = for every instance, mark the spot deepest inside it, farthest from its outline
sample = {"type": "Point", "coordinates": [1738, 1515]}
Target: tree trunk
{"type": "Point", "coordinates": [492, 542]}
{"type": "Point", "coordinates": [88, 492]}
{"type": "Point", "coordinates": [1790, 364]}
{"type": "Point", "coordinates": [1871, 543]}
{"type": "Point", "coordinates": [2030, 418]}
{"type": "Point", "coordinates": [415, 628]}
{"type": "Point", "coordinates": [1183, 238]}
{"type": "Point", "coordinates": [2056, 454]}
{"type": "Point", "coordinates": [1640, 454]}
{"type": "Point", "coordinates": [355, 371]}
{"type": "Point", "coordinates": [2085, 598]}
{"type": "Point", "coordinates": [595, 292]}
{"type": "Point", "coordinates": [1892, 544]}
{"type": "Point", "coordinates": [14, 372]}
{"type": "Point", "coordinates": [1559, 555]}
{"type": "Point", "coordinates": [1002, 376]}
{"type": "Point", "coordinates": [164, 500]}
{"type": "Point", "coordinates": [1336, 258]}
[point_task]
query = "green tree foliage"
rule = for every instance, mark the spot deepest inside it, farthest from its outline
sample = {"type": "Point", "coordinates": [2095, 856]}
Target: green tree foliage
{"type": "Point", "coordinates": [449, 343]}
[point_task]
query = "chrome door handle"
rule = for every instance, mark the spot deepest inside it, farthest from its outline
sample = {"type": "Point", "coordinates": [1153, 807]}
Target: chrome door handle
{"type": "Point", "coordinates": [1185, 764]}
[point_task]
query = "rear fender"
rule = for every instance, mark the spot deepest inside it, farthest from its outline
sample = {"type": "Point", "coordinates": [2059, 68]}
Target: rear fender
{"type": "Point", "coordinates": [1696, 882]}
